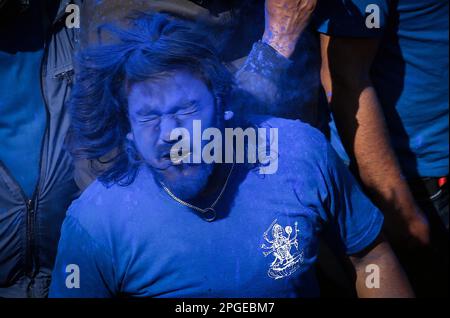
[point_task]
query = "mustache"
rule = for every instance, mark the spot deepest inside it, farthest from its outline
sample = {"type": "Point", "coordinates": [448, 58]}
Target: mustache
{"type": "Point", "coordinates": [162, 150]}
{"type": "Point", "coordinates": [167, 152]}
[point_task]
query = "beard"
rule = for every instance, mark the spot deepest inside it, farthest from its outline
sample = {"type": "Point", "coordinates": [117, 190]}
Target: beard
{"type": "Point", "coordinates": [186, 181]}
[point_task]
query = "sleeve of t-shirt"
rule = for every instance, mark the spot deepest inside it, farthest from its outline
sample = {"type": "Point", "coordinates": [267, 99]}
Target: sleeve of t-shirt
{"type": "Point", "coordinates": [351, 18]}
{"type": "Point", "coordinates": [83, 268]}
{"type": "Point", "coordinates": [352, 218]}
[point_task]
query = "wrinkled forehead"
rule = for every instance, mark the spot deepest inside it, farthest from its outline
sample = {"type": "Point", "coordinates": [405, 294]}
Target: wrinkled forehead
{"type": "Point", "coordinates": [168, 90]}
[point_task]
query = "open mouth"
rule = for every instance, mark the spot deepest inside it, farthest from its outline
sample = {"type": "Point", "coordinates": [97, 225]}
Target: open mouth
{"type": "Point", "coordinates": [166, 156]}
{"type": "Point", "coordinates": [178, 158]}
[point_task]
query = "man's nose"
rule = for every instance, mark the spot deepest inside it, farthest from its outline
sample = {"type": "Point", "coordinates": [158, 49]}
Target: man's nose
{"type": "Point", "coordinates": [167, 124]}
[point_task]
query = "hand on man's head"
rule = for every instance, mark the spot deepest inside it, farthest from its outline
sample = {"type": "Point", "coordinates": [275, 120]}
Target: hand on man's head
{"type": "Point", "coordinates": [285, 22]}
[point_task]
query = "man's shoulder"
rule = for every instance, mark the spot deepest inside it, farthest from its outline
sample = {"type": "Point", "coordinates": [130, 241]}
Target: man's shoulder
{"type": "Point", "coordinates": [97, 194]}
{"type": "Point", "coordinates": [294, 134]}
{"type": "Point", "coordinates": [297, 144]}
{"type": "Point", "coordinates": [90, 208]}
{"type": "Point", "coordinates": [103, 204]}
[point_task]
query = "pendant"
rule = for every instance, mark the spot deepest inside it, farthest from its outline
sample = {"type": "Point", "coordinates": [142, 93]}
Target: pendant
{"type": "Point", "coordinates": [209, 214]}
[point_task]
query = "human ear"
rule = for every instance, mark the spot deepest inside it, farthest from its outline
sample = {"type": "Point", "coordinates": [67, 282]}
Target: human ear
{"type": "Point", "coordinates": [228, 115]}
{"type": "Point", "coordinates": [130, 136]}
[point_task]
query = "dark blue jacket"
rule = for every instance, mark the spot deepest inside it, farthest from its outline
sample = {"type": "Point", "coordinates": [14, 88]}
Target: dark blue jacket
{"type": "Point", "coordinates": [30, 227]}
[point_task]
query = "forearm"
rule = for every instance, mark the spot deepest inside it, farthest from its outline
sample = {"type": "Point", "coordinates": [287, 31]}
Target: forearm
{"type": "Point", "coordinates": [260, 77]}
{"type": "Point", "coordinates": [360, 121]}
{"type": "Point", "coordinates": [263, 75]}
{"type": "Point", "coordinates": [379, 274]}
{"type": "Point", "coordinates": [285, 23]}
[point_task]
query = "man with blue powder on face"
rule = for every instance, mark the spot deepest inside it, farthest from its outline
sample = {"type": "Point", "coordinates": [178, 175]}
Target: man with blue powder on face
{"type": "Point", "coordinates": [152, 227]}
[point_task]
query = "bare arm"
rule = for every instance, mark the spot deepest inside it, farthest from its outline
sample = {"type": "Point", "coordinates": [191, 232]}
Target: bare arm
{"type": "Point", "coordinates": [392, 280]}
{"type": "Point", "coordinates": [264, 74]}
{"type": "Point", "coordinates": [285, 22]}
{"type": "Point", "coordinates": [360, 121]}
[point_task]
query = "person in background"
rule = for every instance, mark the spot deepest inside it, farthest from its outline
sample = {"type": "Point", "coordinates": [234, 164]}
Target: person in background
{"type": "Point", "coordinates": [387, 87]}
{"type": "Point", "coordinates": [388, 90]}
{"type": "Point", "coordinates": [36, 171]}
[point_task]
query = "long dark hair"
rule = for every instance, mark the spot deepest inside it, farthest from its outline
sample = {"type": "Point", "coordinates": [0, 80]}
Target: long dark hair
{"type": "Point", "coordinates": [150, 45]}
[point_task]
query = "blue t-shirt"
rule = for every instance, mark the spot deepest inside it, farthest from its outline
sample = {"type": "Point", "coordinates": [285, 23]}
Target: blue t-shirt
{"type": "Point", "coordinates": [137, 241]}
{"type": "Point", "coordinates": [410, 73]}
{"type": "Point", "coordinates": [22, 109]}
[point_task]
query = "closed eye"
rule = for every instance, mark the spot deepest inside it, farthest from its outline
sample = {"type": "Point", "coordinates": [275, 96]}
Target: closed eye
{"type": "Point", "coordinates": [188, 111]}
{"type": "Point", "coordinates": [147, 119]}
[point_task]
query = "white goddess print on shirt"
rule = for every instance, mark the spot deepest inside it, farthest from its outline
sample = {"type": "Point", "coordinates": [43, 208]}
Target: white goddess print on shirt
{"type": "Point", "coordinates": [284, 246]}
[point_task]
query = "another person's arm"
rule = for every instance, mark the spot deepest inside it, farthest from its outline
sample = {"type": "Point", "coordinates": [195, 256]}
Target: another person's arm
{"type": "Point", "coordinates": [361, 125]}
{"type": "Point", "coordinates": [379, 262]}
{"type": "Point", "coordinates": [353, 225]}
{"type": "Point", "coordinates": [263, 74]}
{"type": "Point", "coordinates": [285, 22]}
